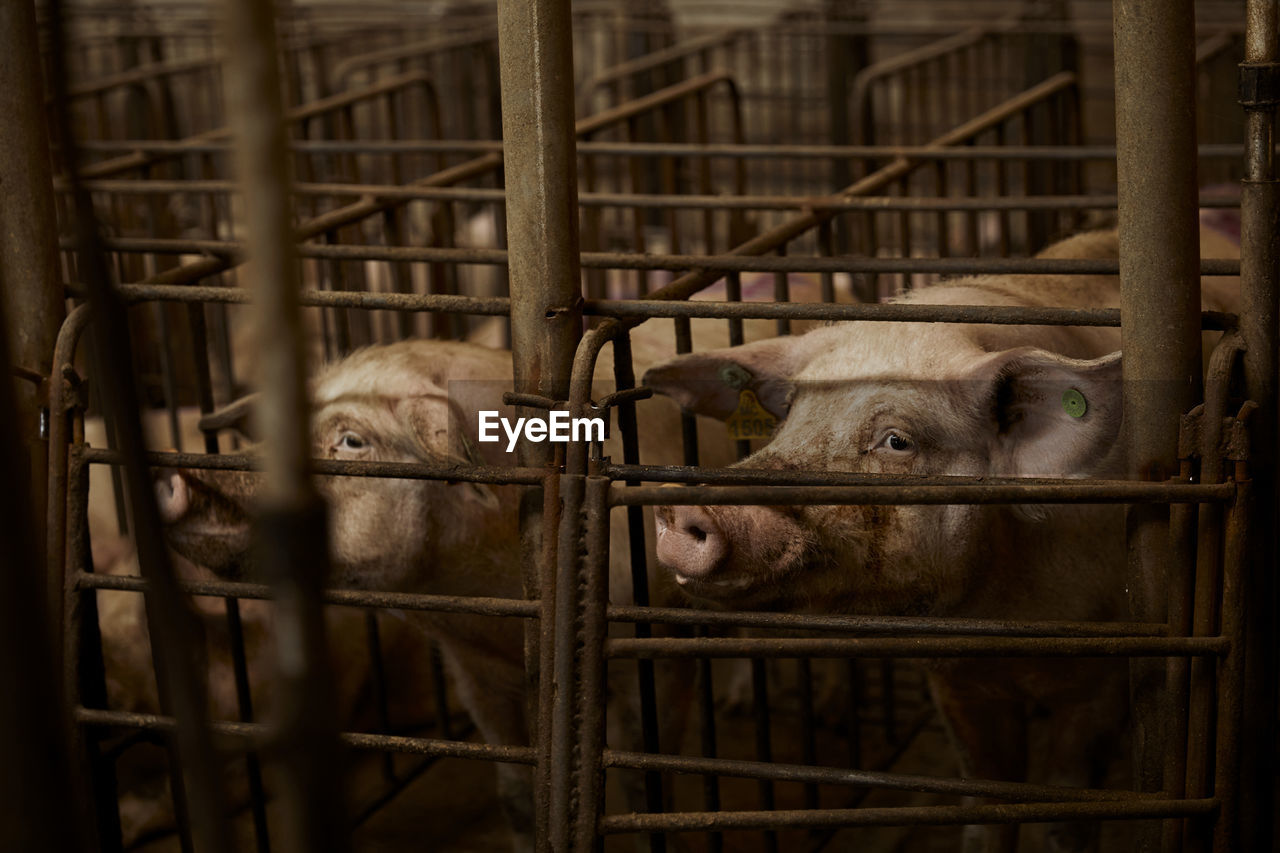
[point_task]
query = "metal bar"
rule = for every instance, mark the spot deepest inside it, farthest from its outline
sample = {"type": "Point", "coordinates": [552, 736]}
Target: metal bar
{"type": "Point", "coordinates": [1232, 686]}
{"type": "Point", "coordinates": [590, 660]}
{"type": "Point", "coordinates": [1121, 491]}
{"type": "Point", "coordinates": [906, 816]}
{"type": "Point", "coordinates": [478, 605]}
{"type": "Point", "coordinates": [908, 647]}
{"type": "Point", "coordinates": [901, 625]}
{"type": "Point", "coordinates": [30, 279]}
{"type": "Point", "coordinates": [535, 55]}
{"type": "Point", "coordinates": [1160, 296]}
{"type": "Point", "coordinates": [38, 814]}
{"type": "Point", "coordinates": [228, 254]}
{"type": "Point", "coordinates": [176, 631]}
{"type": "Point", "coordinates": [251, 735]}
{"type": "Point", "coordinates": [291, 527]}
{"type": "Point", "coordinates": [809, 774]}
{"type": "Point", "coordinates": [1260, 300]}
{"type": "Point", "coordinates": [334, 467]}
{"type": "Point", "coordinates": [662, 149]}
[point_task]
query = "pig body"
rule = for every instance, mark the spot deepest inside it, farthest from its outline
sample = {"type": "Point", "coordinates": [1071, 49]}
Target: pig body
{"type": "Point", "coordinates": [936, 400]}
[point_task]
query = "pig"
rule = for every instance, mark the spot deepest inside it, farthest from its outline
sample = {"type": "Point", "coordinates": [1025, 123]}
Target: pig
{"type": "Point", "coordinates": [938, 399]}
{"type": "Point", "coordinates": [145, 807]}
{"type": "Point", "coordinates": [418, 401]}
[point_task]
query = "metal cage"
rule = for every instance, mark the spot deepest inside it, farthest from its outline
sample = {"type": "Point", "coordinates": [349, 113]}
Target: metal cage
{"type": "Point", "coordinates": [798, 166]}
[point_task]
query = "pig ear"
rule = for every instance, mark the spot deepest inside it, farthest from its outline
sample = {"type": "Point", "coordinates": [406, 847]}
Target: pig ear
{"type": "Point", "coordinates": [709, 383]}
{"type": "Point", "coordinates": [1055, 416]}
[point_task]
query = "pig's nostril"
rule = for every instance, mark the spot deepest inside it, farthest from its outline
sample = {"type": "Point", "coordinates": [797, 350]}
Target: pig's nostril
{"type": "Point", "coordinates": [698, 533]}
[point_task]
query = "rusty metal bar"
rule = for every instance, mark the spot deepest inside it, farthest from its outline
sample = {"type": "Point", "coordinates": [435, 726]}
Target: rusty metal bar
{"type": "Point", "coordinates": [477, 605]}
{"type": "Point", "coordinates": [909, 647]}
{"type": "Point", "coordinates": [901, 625]}
{"type": "Point", "coordinates": [905, 816]}
{"type": "Point", "coordinates": [335, 467]}
{"type": "Point", "coordinates": [292, 522]}
{"type": "Point", "coordinates": [1260, 307]}
{"type": "Point", "coordinates": [255, 735]}
{"type": "Point", "coordinates": [1231, 677]}
{"type": "Point", "coordinates": [227, 254]}
{"type": "Point", "coordinates": [590, 660]}
{"type": "Point", "coordinates": [691, 201]}
{"type": "Point", "coordinates": [43, 807]}
{"type": "Point", "coordinates": [667, 149]}
{"type": "Point", "coordinates": [1015, 791]}
{"type": "Point", "coordinates": [176, 631]}
{"type": "Point", "coordinates": [30, 280]}
{"type": "Point", "coordinates": [535, 55]}
{"type": "Point", "coordinates": [1160, 297]}
{"type": "Point", "coordinates": [1119, 491]}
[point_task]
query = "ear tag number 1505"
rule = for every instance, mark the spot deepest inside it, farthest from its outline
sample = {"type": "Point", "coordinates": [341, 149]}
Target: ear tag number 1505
{"type": "Point", "coordinates": [750, 419]}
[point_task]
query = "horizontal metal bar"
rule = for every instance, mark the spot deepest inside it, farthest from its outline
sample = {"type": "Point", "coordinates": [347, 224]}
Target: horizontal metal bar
{"type": "Point", "coordinates": [476, 605]}
{"type": "Point", "coordinates": [501, 306]}
{"type": "Point", "coordinates": [257, 735]}
{"type": "Point", "coordinates": [905, 816]}
{"type": "Point", "coordinates": [925, 625]}
{"type": "Point", "coordinates": [913, 647]}
{"type": "Point", "coordinates": [651, 200]}
{"type": "Point", "coordinates": [1217, 150]}
{"type": "Point", "coordinates": [1073, 491]}
{"type": "Point", "coordinates": [1015, 791]}
{"type": "Point", "coordinates": [735, 476]}
{"type": "Point", "coordinates": [637, 261]}
{"type": "Point", "coordinates": [899, 312]}
{"type": "Point", "coordinates": [493, 306]}
{"type": "Point", "coordinates": [336, 467]}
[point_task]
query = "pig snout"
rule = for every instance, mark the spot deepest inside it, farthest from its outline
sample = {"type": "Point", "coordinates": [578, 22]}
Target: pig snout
{"type": "Point", "coordinates": [173, 495]}
{"type": "Point", "coordinates": [734, 553]}
{"type": "Point", "coordinates": [691, 542]}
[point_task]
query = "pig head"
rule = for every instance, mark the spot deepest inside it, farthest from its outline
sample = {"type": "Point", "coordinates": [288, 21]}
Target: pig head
{"type": "Point", "coordinates": [384, 404]}
{"type": "Point", "coordinates": [892, 402]}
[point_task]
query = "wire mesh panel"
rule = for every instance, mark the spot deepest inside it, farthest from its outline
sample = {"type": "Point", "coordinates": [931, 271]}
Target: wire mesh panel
{"type": "Point", "coordinates": [745, 174]}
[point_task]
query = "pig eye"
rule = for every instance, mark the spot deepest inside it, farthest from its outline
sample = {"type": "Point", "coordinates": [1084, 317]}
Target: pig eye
{"type": "Point", "coordinates": [351, 441]}
{"type": "Point", "coordinates": [897, 442]}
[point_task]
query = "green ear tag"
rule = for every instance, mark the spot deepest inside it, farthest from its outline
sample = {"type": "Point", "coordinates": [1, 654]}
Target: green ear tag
{"type": "Point", "coordinates": [1073, 403]}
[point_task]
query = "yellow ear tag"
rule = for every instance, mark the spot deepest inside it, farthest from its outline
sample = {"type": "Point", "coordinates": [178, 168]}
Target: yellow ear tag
{"type": "Point", "coordinates": [750, 419]}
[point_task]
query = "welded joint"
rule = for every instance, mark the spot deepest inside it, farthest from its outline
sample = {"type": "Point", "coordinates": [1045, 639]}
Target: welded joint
{"type": "Point", "coordinates": [1236, 438]}
{"type": "Point", "coordinates": [1231, 441]}
{"type": "Point", "coordinates": [1259, 85]}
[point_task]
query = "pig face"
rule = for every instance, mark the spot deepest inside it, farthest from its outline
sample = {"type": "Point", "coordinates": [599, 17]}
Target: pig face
{"type": "Point", "coordinates": [888, 400]}
{"type": "Point", "coordinates": [379, 405]}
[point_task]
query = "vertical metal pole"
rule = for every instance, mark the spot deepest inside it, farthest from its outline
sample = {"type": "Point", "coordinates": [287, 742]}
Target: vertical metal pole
{"type": "Point", "coordinates": [30, 286]}
{"type": "Point", "coordinates": [535, 54]}
{"type": "Point", "coordinates": [1160, 310]}
{"type": "Point", "coordinates": [1259, 314]}
{"type": "Point", "coordinates": [291, 511]}
{"type": "Point", "coordinates": [36, 813]}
